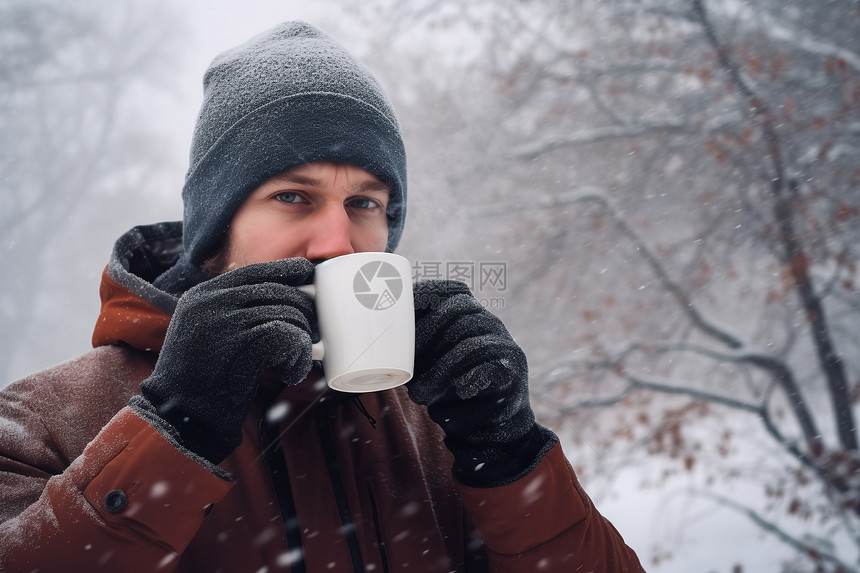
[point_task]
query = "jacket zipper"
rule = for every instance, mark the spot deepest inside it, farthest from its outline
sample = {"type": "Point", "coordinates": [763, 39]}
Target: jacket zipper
{"type": "Point", "coordinates": [274, 461]}
{"type": "Point", "coordinates": [327, 443]}
{"type": "Point", "coordinates": [383, 553]}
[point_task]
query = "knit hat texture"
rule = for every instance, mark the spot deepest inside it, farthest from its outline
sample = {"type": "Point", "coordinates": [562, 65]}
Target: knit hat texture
{"type": "Point", "coordinates": [287, 97]}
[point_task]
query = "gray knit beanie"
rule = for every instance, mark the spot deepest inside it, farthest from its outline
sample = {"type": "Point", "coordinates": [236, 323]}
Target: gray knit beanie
{"type": "Point", "coordinates": [285, 98]}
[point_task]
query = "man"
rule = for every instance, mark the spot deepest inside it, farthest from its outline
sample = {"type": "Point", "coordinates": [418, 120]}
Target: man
{"type": "Point", "coordinates": [200, 436]}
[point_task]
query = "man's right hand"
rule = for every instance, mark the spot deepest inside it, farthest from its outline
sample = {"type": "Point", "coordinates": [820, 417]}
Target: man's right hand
{"type": "Point", "coordinates": [224, 332]}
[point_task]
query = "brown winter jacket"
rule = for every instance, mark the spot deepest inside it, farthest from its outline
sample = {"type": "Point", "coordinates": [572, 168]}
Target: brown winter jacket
{"type": "Point", "coordinates": [87, 485]}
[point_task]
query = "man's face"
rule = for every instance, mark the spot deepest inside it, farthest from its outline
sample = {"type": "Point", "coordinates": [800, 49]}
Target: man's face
{"type": "Point", "coordinates": [316, 211]}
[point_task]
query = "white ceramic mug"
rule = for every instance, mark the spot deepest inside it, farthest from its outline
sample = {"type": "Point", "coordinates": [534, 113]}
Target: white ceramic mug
{"type": "Point", "coordinates": [366, 321]}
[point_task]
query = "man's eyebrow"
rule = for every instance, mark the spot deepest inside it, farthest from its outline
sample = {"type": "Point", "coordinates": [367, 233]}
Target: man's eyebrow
{"type": "Point", "coordinates": [364, 187]}
{"type": "Point", "coordinates": [371, 186]}
{"type": "Point", "coordinates": [298, 179]}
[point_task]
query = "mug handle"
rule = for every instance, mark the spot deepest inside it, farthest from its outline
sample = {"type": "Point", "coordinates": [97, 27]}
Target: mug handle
{"type": "Point", "coordinates": [317, 349]}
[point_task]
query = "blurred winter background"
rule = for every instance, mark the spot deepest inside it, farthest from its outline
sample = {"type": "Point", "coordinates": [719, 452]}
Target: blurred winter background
{"type": "Point", "coordinates": [660, 198]}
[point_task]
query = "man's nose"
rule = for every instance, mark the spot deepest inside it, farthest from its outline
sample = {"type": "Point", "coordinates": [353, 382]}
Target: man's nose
{"type": "Point", "coordinates": [333, 236]}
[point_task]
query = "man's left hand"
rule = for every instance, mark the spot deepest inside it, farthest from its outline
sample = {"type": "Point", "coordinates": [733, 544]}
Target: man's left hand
{"type": "Point", "coordinates": [473, 378]}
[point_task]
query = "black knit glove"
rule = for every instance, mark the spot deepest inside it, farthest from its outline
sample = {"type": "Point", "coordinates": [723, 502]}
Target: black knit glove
{"type": "Point", "coordinates": [224, 332]}
{"type": "Point", "coordinates": [473, 378]}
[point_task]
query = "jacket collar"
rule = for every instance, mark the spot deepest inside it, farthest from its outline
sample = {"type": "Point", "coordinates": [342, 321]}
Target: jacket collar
{"type": "Point", "coordinates": [133, 311]}
{"type": "Point", "coordinates": [136, 313]}
{"type": "Point", "coordinates": [126, 318]}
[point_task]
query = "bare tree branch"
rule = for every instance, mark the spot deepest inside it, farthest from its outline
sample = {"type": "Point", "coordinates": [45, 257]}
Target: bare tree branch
{"type": "Point", "coordinates": [817, 46]}
{"type": "Point", "coordinates": [780, 372]}
{"type": "Point", "coordinates": [816, 461]}
{"type": "Point", "coordinates": [631, 130]}
{"type": "Point", "coordinates": [780, 533]}
{"type": "Point", "coordinates": [685, 303]}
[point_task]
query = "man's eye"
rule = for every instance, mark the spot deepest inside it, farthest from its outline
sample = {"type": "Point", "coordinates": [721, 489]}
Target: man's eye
{"type": "Point", "coordinates": [363, 203]}
{"type": "Point", "coordinates": [289, 197]}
